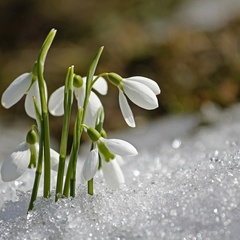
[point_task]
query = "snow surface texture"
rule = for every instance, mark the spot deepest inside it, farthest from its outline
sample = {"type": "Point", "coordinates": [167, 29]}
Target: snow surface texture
{"type": "Point", "coordinates": [184, 184]}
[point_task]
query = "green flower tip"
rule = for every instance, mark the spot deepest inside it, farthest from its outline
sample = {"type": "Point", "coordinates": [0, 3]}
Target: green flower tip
{"type": "Point", "coordinates": [114, 78]}
{"type": "Point", "coordinates": [77, 81]}
{"type": "Point", "coordinates": [31, 137]}
{"type": "Point", "coordinates": [105, 151]}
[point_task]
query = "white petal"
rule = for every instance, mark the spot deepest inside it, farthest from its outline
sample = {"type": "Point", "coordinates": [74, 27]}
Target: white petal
{"type": "Point", "coordinates": [56, 102]}
{"type": "Point", "coordinates": [112, 173]}
{"type": "Point", "coordinates": [29, 105]}
{"type": "Point", "coordinates": [80, 95]}
{"type": "Point", "coordinates": [140, 94]}
{"type": "Point", "coordinates": [101, 86]}
{"type": "Point", "coordinates": [92, 109]}
{"type": "Point", "coordinates": [16, 163]}
{"type": "Point", "coordinates": [54, 159]}
{"type": "Point", "coordinates": [119, 147]}
{"type": "Point", "coordinates": [90, 165]}
{"type": "Point", "coordinates": [120, 160]}
{"type": "Point", "coordinates": [126, 110]}
{"type": "Point", "coordinates": [16, 90]}
{"type": "Point", "coordinates": [148, 82]}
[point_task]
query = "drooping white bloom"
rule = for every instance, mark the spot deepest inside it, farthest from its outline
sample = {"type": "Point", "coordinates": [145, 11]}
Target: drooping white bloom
{"type": "Point", "coordinates": [119, 147]}
{"type": "Point", "coordinates": [140, 90]}
{"type": "Point", "coordinates": [18, 161]}
{"type": "Point", "coordinates": [23, 84]}
{"type": "Point", "coordinates": [111, 169]}
{"type": "Point", "coordinates": [56, 100]}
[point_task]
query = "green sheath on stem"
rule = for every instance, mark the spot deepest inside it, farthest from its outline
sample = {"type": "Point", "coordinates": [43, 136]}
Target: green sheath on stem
{"type": "Point", "coordinates": [37, 176]}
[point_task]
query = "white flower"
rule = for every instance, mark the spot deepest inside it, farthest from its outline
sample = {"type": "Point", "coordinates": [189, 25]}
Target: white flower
{"type": "Point", "coordinates": [20, 86]}
{"type": "Point", "coordinates": [119, 147]}
{"type": "Point", "coordinates": [111, 169]}
{"type": "Point", "coordinates": [140, 90]}
{"type": "Point", "coordinates": [56, 100]}
{"type": "Point", "coordinates": [18, 161]}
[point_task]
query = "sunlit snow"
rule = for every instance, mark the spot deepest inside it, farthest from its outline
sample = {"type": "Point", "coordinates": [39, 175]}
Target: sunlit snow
{"type": "Point", "coordinates": [184, 184]}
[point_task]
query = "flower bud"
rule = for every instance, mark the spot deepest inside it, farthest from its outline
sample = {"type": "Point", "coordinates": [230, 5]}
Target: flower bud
{"type": "Point", "coordinates": [103, 133]}
{"type": "Point", "coordinates": [114, 78]}
{"type": "Point", "coordinates": [31, 137]}
{"type": "Point", "coordinates": [93, 134]}
{"type": "Point", "coordinates": [77, 81]}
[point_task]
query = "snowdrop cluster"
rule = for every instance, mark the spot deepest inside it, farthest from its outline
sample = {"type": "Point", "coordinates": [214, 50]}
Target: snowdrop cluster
{"type": "Point", "coordinates": [104, 153]}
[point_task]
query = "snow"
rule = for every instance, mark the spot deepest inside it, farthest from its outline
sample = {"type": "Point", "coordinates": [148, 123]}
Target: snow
{"type": "Point", "coordinates": [184, 184]}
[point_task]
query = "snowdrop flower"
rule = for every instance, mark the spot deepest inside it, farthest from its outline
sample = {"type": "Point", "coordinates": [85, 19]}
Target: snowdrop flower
{"type": "Point", "coordinates": [109, 150]}
{"type": "Point", "coordinates": [24, 84]}
{"type": "Point", "coordinates": [56, 100]}
{"type": "Point", "coordinates": [16, 163]}
{"type": "Point", "coordinates": [140, 90]}
{"type": "Point", "coordinates": [21, 158]}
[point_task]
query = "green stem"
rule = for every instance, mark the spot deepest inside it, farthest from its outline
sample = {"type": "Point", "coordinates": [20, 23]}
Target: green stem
{"type": "Point", "coordinates": [76, 145]}
{"type": "Point", "coordinates": [72, 165]}
{"type": "Point", "coordinates": [64, 138]}
{"type": "Point", "coordinates": [47, 159]}
{"type": "Point", "coordinates": [45, 131]}
{"type": "Point", "coordinates": [70, 181]}
{"type": "Point", "coordinates": [35, 189]}
{"type": "Point", "coordinates": [68, 176]}
{"type": "Point", "coordinates": [89, 80]}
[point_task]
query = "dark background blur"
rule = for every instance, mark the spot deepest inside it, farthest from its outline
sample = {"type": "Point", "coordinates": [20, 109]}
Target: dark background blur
{"type": "Point", "coordinates": [191, 48]}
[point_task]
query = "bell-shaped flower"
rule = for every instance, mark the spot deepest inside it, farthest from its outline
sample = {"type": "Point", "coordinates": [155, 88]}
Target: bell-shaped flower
{"type": "Point", "coordinates": [56, 100]}
{"type": "Point", "coordinates": [140, 90]}
{"type": "Point", "coordinates": [19, 160]}
{"type": "Point", "coordinates": [117, 146]}
{"type": "Point", "coordinates": [108, 150]}
{"type": "Point", "coordinates": [24, 84]}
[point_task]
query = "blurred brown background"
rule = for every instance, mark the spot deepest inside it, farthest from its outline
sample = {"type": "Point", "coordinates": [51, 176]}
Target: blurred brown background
{"type": "Point", "coordinates": [191, 48]}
